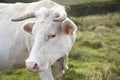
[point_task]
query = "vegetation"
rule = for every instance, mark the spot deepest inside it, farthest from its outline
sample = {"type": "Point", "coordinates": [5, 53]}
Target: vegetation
{"type": "Point", "coordinates": [83, 9]}
{"type": "Point", "coordinates": [96, 53]}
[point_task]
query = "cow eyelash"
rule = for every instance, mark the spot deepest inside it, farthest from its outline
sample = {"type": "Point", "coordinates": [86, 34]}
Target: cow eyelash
{"type": "Point", "coordinates": [51, 36]}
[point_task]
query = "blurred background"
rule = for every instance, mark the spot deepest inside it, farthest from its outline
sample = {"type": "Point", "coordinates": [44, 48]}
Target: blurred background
{"type": "Point", "coordinates": [96, 53]}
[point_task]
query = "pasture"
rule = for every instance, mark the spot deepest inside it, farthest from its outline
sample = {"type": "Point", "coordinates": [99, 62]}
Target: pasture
{"type": "Point", "coordinates": [71, 2]}
{"type": "Point", "coordinates": [96, 53]}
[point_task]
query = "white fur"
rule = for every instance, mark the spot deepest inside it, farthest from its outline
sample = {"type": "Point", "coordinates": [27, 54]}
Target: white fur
{"type": "Point", "coordinates": [16, 45]}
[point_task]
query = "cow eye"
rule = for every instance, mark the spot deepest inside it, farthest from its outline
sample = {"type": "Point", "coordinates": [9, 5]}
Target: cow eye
{"type": "Point", "coordinates": [51, 36]}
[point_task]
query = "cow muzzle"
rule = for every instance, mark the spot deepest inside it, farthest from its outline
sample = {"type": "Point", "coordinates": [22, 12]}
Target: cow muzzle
{"type": "Point", "coordinates": [32, 66]}
{"type": "Point", "coordinates": [35, 66]}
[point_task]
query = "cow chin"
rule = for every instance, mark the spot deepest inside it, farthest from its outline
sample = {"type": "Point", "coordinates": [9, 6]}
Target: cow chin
{"type": "Point", "coordinates": [36, 67]}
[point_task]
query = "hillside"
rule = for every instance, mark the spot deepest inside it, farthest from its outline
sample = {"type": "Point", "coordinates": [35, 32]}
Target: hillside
{"type": "Point", "coordinates": [73, 2]}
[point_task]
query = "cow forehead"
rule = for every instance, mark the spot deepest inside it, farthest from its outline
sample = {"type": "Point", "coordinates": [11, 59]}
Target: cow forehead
{"type": "Point", "coordinates": [45, 21]}
{"type": "Point", "coordinates": [47, 27]}
{"type": "Point", "coordinates": [43, 12]}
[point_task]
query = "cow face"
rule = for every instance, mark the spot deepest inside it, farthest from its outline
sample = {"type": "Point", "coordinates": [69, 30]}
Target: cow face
{"type": "Point", "coordinates": [51, 40]}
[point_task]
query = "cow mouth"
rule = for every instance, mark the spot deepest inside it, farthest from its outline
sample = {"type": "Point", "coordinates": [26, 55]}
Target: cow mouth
{"type": "Point", "coordinates": [36, 67]}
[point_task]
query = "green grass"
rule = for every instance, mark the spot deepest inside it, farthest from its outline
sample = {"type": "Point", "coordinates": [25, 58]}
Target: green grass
{"type": "Point", "coordinates": [71, 2]}
{"type": "Point", "coordinates": [97, 48]}
{"type": "Point", "coordinates": [21, 74]}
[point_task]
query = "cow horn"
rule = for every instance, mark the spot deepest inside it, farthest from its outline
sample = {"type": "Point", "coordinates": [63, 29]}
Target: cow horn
{"type": "Point", "coordinates": [60, 17]}
{"type": "Point", "coordinates": [25, 16]}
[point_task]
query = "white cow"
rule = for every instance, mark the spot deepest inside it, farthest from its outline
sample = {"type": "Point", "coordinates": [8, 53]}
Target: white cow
{"type": "Point", "coordinates": [41, 43]}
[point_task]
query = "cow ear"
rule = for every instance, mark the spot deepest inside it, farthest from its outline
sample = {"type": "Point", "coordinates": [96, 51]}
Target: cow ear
{"type": "Point", "coordinates": [68, 27]}
{"type": "Point", "coordinates": [28, 27]}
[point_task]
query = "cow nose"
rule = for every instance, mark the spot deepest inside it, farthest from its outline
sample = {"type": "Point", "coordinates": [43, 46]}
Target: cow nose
{"type": "Point", "coordinates": [32, 66]}
{"type": "Point", "coordinates": [35, 66]}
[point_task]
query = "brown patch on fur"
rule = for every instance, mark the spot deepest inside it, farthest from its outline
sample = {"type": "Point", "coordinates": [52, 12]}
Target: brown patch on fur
{"type": "Point", "coordinates": [57, 67]}
{"type": "Point", "coordinates": [68, 27]}
{"type": "Point", "coordinates": [28, 27]}
{"type": "Point", "coordinates": [60, 66]}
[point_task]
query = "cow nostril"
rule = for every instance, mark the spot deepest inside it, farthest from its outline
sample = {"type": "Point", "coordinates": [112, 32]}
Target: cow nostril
{"type": "Point", "coordinates": [35, 66]}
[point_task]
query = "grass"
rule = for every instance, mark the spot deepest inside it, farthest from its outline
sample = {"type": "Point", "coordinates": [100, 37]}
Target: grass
{"type": "Point", "coordinates": [97, 48]}
{"type": "Point", "coordinates": [71, 2]}
{"type": "Point", "coordinates": [21, 74]}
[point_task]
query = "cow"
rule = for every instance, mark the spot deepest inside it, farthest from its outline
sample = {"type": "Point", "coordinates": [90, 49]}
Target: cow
{"type": "Point", "coordinates": [36, 35]}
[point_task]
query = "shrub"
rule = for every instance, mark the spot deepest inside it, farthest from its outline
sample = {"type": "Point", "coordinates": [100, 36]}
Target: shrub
{"type": "Point", "coordinates": [94, 8]}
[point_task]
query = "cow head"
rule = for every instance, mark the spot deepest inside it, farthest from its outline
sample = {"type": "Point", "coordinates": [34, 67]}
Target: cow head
{"type": "Point", "coordinates": [51, 34]}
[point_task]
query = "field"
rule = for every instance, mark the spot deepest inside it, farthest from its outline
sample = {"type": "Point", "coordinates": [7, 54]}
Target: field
{"type": "Point", "coordinates": [71, 2]}
{"type": "Point", "coordinates": [94, 56]}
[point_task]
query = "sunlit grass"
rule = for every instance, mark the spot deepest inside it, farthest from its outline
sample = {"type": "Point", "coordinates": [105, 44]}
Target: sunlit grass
{"type": "Point", "coordinates": [21, 74]}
